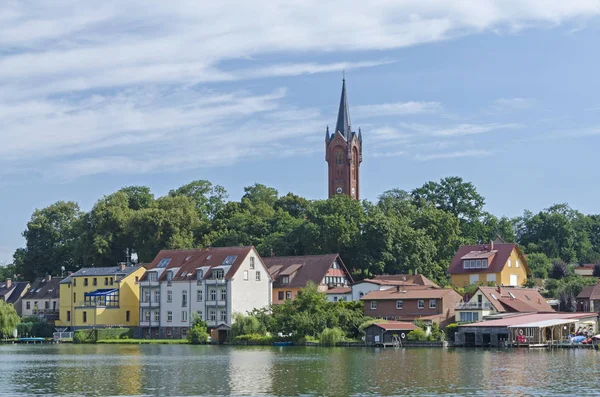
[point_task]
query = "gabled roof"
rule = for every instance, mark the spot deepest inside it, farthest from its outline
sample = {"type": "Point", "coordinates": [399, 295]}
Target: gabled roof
{"type": "Point", "coordinates": [305, 268]}
{"type": "Point", "coordinates": [501, 255]}
{"type": "Point", "coordinates": [514, 299]}
{"type": "Point", "coordinates": [15, 291]}
{"type": "Point", "coordinates": [185, 262]}
{"type": "Point", "coordinates": [590, 292]}
{"type": "Point", "coordinates": [43, 288]}
{"type": "Point", "coordinates": [102, 272]}
{"type": "Point", "coordinates": [409, 293]}
{"type": "Point", "coordinates": [396, 326]}
{"type": "Point", "coordinates": [402, 279]}
{"type": "Point", "coordinates": [339, 290]}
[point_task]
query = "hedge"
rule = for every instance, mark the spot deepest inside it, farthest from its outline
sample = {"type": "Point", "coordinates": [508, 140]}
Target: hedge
{"type": "Point", "coordinates": [94, 335]}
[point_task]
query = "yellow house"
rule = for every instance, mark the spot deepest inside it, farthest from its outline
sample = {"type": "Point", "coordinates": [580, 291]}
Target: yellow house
{"type": "Point", "coordinates": [101, 296]}
{"type": "Point", "coordinates": [499, 264]}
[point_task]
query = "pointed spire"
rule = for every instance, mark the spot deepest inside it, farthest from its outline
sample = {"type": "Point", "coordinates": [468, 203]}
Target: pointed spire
{"type": "Point", "coordinates": [359, 135]}
{"type": "Point", "coordinates": [343, 120]}
{"type": "Point", "coordinates": [327, 134]}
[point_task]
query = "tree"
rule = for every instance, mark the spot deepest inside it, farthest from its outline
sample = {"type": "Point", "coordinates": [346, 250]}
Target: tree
{"type": "Point", "coordinates": [198, 332]}
{"type": "Point", "coordinates": [539, 265]}
{"type": "Point", "coordinates": [209, 199]}
{"type": "Point", "coordinates": [50, 236]}
{"type": "Point", "coordinates": [596, 272]}
{"type": "Point", "coordinates": [259, 193]}
{"type": "Point", "coordinates": [138, 197]}
{"type": "Point", "coordinates": [9, 319]}
{"type": "Point", "coordinates": [559, 270]}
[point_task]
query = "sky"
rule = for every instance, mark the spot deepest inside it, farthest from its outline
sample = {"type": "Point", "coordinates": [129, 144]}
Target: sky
{"type": "Point", "coordinates": [95, 96]}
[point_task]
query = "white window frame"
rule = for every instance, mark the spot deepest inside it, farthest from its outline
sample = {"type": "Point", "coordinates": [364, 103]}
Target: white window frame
{"type": "Point", "coordinates": [184, 316]}
{"type": "Point", "coordinates": [432, 303]}
{"type": "Point", "coordinates": [421, 304]}
{"type": "Point", "coordinates": [213, 294]}
{"type": "Point", "coordinates": [169, 316]}
{"type": "Point", "coordinates": [213, 315]}
{"type": "Point", "coordinates": [199, 295]}
{"type": "Point", "coordinates": [156, 316]}
{"type": "Point", "coordinates": [516, 263]}
{"type": "Point", "coordinates": [373, 305]}
{"type": "Point", "coordinates": [484, 264]}
{"type": "Point", "coordinates": [509, 263]}
{"type": "Point", "coordinates": [251, 263]}
{"type": "Point", "coordinates": [223, 294]}
{"type": "Point", "coordinates": [169, 296]}
{"type": "Point", "coordinates": [465, 264]}
{"type": "Point", "coordinates": [257, 275]}
{"type": "Point", "coordinates": [245, 275]}
{"type": "Point", "coordinates": [399, 304]}
{"type": "Point", "coordinates": [478, 263]}
{"type": "Point", "coordinates": [285, 279]}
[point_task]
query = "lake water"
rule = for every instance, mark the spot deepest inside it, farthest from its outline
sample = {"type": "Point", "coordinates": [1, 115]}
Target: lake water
{"type": "Point", "coordinates": [180, 370]}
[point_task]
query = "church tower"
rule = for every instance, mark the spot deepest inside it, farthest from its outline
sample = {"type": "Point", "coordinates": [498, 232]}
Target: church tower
{"type": "Point", "coordinates": [343, 153]}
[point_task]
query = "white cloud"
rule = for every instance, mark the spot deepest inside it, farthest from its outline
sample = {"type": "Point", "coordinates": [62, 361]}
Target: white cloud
{"type": "Point", "coordinates": [458, 130]}
{"type": "Point", "coordinates": [396, 109]}
{"type": "Point", "coordinates": [452, 155]}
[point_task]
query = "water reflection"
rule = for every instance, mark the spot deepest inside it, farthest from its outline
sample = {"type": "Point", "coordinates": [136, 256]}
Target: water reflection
{"type": "Point", "coordinates": [173, 370]}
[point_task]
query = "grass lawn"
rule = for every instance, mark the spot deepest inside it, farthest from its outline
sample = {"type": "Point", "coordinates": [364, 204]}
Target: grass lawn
{"type": "Point", "coordinates": [144, 341]}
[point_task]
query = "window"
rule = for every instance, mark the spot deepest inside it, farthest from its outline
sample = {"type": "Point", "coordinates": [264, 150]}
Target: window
{"type": "Point", "coordinates": [361, 294]}
{"type": "Point", "coordinates": [229, 260]}
{"type": "Point", "coordinates": [288, 294]}
{"type": "Point", "coordinates": [223, 294]}
{"type": "Point", "coordinates": [85, 282]}
{"type": "Point", "coordinates": [199, 313]}
{"type": "Point", "coordinates": [184, 332]}
{"type": "Point", "coordinates": [517, 263]}
{"type": "Point", "coordinates": [74, 282]}
{"type": "Point", "coordinates": [199, 275]}
{"type": "Point", "coordinates": [213, 294]}
{"type": "Point", "coordinates": [213, 315]}
{"type": "Point", "coordinates": [484, 263]}
{"type": "Point", "coordinates": [509, 263]}
{"type": "Point", "coordinates": [246, 275]}
{"type": "Point", "coordinates": [169, 332]}
{"type": "Point", "coordinates": [169, 317]}
{"type": "Point", "coordinates": [285, 279]}
{"type": "Point", "coordinates": [183, 316]}
{"type": "Point", "coordinates": [47, 305]}
{"type": "Point", "coordinates": [156, 315]}
{"type": "Point", "coordinates": [95, 283]}
{"type": "Point", "coordinates": [85, 317]}
{"type": "Point", "coordinates": [280, 295]}
{"type": "Point", "coordinates": [373, 305]}
{"type": "Point", "coordinates": [146, 295]}
{"type": "Point", "coordinates": [68, 315]}
{"type": "Point", "coordinates": [137, 280]}
{"type": "Point", "coordinates": [105, 280]}
{"type": "Point", "coordinates": [339, 156]}
{"type": "Point", "coordinates": [469, 317]}
{"type": "Point", "coordinates": [184, 298]}
{"type": "Point", "coordinates": [127, 316]}
{"type": "Point", "coordinates": [169, 296]}
{"type": "Point", "coordinates": [169, 275]}
{"type": "Point", "coordinates": [399, 305]}
{"type": "Point", "coordinates": [252, 262]}
{"type": "Point", "coordinates": [257, 276]}
{"type": "Point", "coordinates": [163, 262]}
{"type": "Point", "coordinates": [74, 297]}
{"type": "Point", "coordinates": [147, 315]}
{"type": "Point", "coordinates": [335, 298]}
{"type": "Point", "coordinates": [432, 303]}
{"type": "Point", "coordinates": [152, 276]}
{"type": "Point", "coordinates": [223, 316]}
{"type": "Point", "coordinates": [199, 295]}
{"type": "Point", "coordinates": [112, 281]}
{"type": "Point", "coordinates": [472, 264]}
{"type": "Point", "coordinates": [157, 296]}
{"type": "Point", "coordinates": [421, 304]}
{"type": "Point", "coordinates": [478, 263]}
{"type": "Point", "coordinates": [28, 304]}
{"type": "Point", "coordinates": [465, 264]}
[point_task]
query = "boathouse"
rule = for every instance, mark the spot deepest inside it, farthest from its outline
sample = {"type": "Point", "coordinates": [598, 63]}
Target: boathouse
{"type": "Point", "coordinates": [382, 334]}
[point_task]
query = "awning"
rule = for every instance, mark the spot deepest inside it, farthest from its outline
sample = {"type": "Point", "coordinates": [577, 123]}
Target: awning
{"type": "Point", "coordinates": [544, 323]}
{"type": "Point", "coordinates": [102, 292]}
{"type": "Point", "coordinates": [589, 322]}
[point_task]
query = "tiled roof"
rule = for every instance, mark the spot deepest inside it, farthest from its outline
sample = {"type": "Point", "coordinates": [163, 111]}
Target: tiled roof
{"type": "Point", "coordinates": [396, 326]}
{"type": "Point", "coordinates": [526, 318]}
{"type": "Point", "coordinates": [496, 264]}
{"type": "Point", "coordinates": [402, 279]}
{"type": "Point", "coordinates": [339, 290]}
{"type": "Point", "coordinates": [44, 289]}
{"type": "Point", "coordinates": [522, 299]}
{"type": "Point", "coordinates": [100, 272]}
{"type": "Point", "coordinates": [187, 261]}
{"type": "Point", "coordinates": [306, 268]}
{"type": "Point", "coordinates": [590, 292]}
{"type": "Point", "coordinates": [410, 293]}
{"type": "Point", "coordinates": [16, 290]}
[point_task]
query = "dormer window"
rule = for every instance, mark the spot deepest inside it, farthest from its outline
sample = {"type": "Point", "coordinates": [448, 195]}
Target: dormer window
{"type": "Point", "coordinates": [152, 276]}
{"type": "Point", "coordinates": [218, 274]}
{"type": "Point", "coordinates": [285, 279]}
{"type": "Point", "coordinates": [484, 263]}
{"type": "Point", "coordinates": [199, 275]}
{"type": "Point", "coordinates": [169, 275]}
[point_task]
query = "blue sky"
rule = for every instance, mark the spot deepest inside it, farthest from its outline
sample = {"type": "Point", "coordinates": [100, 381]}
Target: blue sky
{"type": "Point", "coordinates": [98, 96]}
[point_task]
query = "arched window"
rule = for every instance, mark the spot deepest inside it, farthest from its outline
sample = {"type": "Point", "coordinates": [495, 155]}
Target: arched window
{"type": "Point", "coordinates": [361, 294]}
{"type": "Point", "coordinates": [339, 156]}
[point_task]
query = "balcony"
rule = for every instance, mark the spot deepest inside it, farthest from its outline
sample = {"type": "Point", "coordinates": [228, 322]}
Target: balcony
{"type": "Point", "coordinates": [474, 306]}
{"type": "Point", "coordinates": [147, 283]}
{"type": "Point", "coordinates": [152, 323]}
{"type": "Point", "coordinates": [149, 304]}
{"type": "Point", "coordinates": [220, 303]}
{"type": "Point", "coordinates": [215, 281]}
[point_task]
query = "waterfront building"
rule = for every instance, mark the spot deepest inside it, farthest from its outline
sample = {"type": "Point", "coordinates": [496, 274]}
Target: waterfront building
{"type": "Point", "coordinates": [588, 299]}
{"type": "Point", "coordinates": [12, 292]}
{"type": "Point", "coordinates": [42, 299]}
{"type": "Point", "coordinates": [538, 329]}
{"type": "Point", "coordinates": [211, 283]}
{"type": "Point", "coordinates": [386, 281]}
{"type": "Point", "coordinates": [343, 153]}
{"type": "Point", "coordinates": [497, 263]}
{"type": "Point", "coordinates": [490, 301]}
{"type": "Point", "coordinates": [100, 297]}
{"type": "Point", "coordinates": [410, 303]}
{"type": "Point", "coordinates": [291, 273]}
{"type": "Point", "coordinates": [388, 333]}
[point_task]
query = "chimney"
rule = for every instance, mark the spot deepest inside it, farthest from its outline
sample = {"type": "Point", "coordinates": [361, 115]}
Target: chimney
{"type": "Point", "coordinates": [48, 277]}
{"type": "Point", "coordinates": [8, 283]}
{"type": "Point", "coordinates": [69, 274]}
{"type": "Point", "coordinates": [397, 288]}
{"type": "Point", "coordinates": [122, 266]}
{"type": "Point", "coordinates": [491, 245]}
{"type": "Point", "coordinates": [499, 290]}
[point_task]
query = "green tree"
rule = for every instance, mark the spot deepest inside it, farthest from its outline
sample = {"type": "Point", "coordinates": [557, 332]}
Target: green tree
{"type": "Point", "coordinates": [539, 265]}
{"type": "Point", "coordinates": [9, 319]}
{"type": "Point", "coordinates": [209, 199]}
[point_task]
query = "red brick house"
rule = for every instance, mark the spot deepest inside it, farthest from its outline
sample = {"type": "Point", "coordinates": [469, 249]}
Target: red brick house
{"type": "Point", "coordinates": [434, 305]}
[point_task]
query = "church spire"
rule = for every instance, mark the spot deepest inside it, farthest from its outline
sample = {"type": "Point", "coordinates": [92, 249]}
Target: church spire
{"type": "Point", "coordinates": [343, 120]}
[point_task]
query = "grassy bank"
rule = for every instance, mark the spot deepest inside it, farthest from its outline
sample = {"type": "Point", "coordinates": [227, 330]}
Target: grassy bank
{"type": "Point", "coordinates": [144, 341]}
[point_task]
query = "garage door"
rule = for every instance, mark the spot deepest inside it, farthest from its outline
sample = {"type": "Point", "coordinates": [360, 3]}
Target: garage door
{"type": "Point", "coordinates": [514, 280]}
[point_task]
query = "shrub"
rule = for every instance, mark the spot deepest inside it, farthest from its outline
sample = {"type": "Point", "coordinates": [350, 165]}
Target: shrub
{"type": "Point", "coordinates": [84, 336]}
{"type": "Point", "coordinates": [198, 335]}
{"type": "Point", "coordinates": [113, 333]}
{"type": "Point", "coordinates": [331, 336]}
{"type": "Point", "coordinates": [416, 335]}
{"type": "Point", "coordinates": [451, 330]}
{"type": "Point", "coordinates": [245, 325]}
{"type": "Point", "coordinates": [255, 339]}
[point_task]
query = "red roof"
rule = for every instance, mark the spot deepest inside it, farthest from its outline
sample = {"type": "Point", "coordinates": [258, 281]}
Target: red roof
{"type": "Point", "coordinates": [339, 290]}
{"type": "Point", "coordinates": [302, 269]}
{"type": "Point", "coordinates": [590, 292]}
{"type": "Point", "coordinates": [409, 293]}
{"type": "Point", "coordinates": [526, 318]}
{"type": "Point", "coordinates": [400, 279]}
{"type": "Point", "coordinates": [397, 326]}
{"type": "Point", "coordinates": [515, 299]}
{"type": "Point", "coordinates": [496, 264]}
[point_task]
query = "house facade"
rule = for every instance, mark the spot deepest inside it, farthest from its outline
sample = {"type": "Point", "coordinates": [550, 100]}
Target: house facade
{"type": "Point", "coordinates": [292, 273]}
{"type": "Point", "coordinates": [212, 283]}
{"type": "Point", "coordinates": [489, 301]}
{"type": "Point", "coordinates": [588, 299]}
{"type": "Point", "coordinates": [13, 291]}
{"type": "Point", "coordinates": [406, 303]}
{"type": "Point", "coordinates": [100, 296]}
{"type": "Point", "coordinates": [388, 333]}
{"type": "Point", "coordinates": [384, 282]}
{"type": "Point", "coordinates": [42, 299]}
{"type": "Point", "coordinates": [496, 263]}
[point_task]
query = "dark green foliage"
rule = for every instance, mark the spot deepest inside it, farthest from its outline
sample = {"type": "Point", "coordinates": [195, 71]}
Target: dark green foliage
{"type": "Point", "coordinates": [254, 339]}
{"type": "Point", "coordinates": [84, 336]}
{"type": "Point", "coordinates": [559, 270]}
{"type": "Point", "coordinates": [451, 330]}
{"type": "Point", "coordinates": [94, 335]}
{"type": "Point", "coordinates": [416, 335]}
{"type": "Point", "coordinates": [331, 336]}
{"type": "Point", "coordinates": [9, 319]}
{"type": "Point", "coordinates": [198, 333]}
{"type": "Point", "coordinates": [35, 327]}
{"type": "Point", "coordinates": [596, 272]}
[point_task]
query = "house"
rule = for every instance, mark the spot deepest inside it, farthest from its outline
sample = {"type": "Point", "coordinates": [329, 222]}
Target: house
{"type": "Point", "coordinates": [12, 292]}
{"type": "Point", "coordinates": [212, 283]}
{"type": "Point", "coordinates": [291, 273]}
{"type": "Point", "coordinates": [410, 303]}
{"type": "Point", "coordinates": [588, 299]}
{"type": "Point", "coordinates": [586, 270]}
{"type": "Point", "coordinates": [42, 299]}
{"type": "Point", "coordinates": [488, 301]}
{"type": "Point", "coordinates": [535, 329]}
{"type": "Point", "coordinates": [387, 333]}
{"type": "Point", "coordinates": [497, 263]}
{"type": "Point", "coordinates": [383, 282]}
{"type": "Point", "coordinates": [100, 297]}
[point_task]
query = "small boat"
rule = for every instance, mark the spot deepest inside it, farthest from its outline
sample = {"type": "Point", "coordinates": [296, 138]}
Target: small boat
{"type": "Point", "coordinates": [283, 343]}
{"type": "Point", "coordinates": [28, 340]}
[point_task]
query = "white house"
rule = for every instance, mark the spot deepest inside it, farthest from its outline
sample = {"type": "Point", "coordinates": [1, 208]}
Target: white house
{"type": "Point", "coordinates": [42, 298]}
{"type": "Point", "coordinates": [212, 283]}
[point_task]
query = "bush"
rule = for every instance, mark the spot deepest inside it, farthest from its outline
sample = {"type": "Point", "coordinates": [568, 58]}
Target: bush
{"type": "Point", "coordinates": [255, 339]}
{"type": "Point", "coordinates": [198, 335]}
{"type": "Point", "coordinates": [34, 327]}
{"type": "Point", "coordinates": [451, 330]}
{"type": "Point", "coordinates": [113, 333]}
{"type": "Point", "coordinates": [84, 336]}
{"type": "Point", "coordinates": [417, 335]}
{"type": "Point", "coordinates": [245, 325]}
{"type": "Point", "coordinates": [331, 336]}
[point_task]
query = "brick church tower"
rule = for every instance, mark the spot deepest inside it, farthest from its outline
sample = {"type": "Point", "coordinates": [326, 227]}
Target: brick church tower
{"type": "Point", "coordinates": [343, 153]}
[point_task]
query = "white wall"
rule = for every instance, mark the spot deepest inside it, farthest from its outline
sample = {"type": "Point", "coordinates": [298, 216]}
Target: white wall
{"type": "Point", "coordinates": [363, 287]}
{"type": "Point", "coordinates": [41, 305]}
{"type": "Point", "coordinates": [340, 297]}
{"type": "Point", "coordinates": [250, 294]}
{"type": "Point", "coordinates": [175, 306]}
